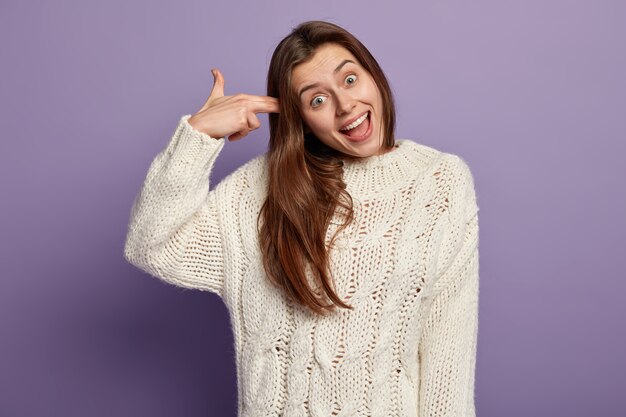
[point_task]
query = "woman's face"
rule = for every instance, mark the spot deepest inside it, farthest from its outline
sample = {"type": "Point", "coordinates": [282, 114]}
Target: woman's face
{"type": "Point", "coordinates": [335, 92]}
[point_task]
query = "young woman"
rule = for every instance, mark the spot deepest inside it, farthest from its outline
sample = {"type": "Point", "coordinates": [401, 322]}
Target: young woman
{"type": "Point", "coordinates": [348, 260]}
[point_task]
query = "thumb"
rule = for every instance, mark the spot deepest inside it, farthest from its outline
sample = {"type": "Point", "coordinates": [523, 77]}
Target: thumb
{"type": "Point", "coordinates": [218, 84]}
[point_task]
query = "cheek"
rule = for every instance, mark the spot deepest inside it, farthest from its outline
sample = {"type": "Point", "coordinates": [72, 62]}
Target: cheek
{"type": "Point", "coordinates": [316, 122]}
{"type": "Point", "coordinates": [371, 90]}
{"type": "Point", "coordinates": [375, 93]}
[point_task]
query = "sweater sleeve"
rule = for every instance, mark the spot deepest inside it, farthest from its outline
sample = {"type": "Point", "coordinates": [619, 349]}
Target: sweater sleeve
{"type": "Point", "coordinates": [174, 231]}
{"type": "Point", "coordinates": [447, 350]}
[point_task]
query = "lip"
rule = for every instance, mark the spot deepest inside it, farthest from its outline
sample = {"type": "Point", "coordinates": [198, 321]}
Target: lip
{"type": "Point", "coordinates": [352, 120]}
{"type": "Point", "coordinates": [365, 136]}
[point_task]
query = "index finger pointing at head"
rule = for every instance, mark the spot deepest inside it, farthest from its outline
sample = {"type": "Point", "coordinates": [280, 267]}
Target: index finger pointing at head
{"type": "Point", "coordinates": [265, 104]}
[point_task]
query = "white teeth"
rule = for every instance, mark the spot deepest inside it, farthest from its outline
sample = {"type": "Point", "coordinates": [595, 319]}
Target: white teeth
{"type": "Point", "coordinates": [356, 122]}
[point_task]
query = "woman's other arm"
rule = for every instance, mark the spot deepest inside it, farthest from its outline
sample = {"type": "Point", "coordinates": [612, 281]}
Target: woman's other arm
{"type": "Point", "coordinates": [447, 351]}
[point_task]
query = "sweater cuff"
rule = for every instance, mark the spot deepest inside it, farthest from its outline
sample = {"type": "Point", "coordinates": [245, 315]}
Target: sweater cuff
{"type": "Point", "coordinates": [191, 131]}
{"type": "Point", "coordinates": [189, 147]}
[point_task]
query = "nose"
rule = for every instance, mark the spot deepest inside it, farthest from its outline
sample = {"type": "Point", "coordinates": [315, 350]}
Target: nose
{"type": "Point", "coordinates": [345, 102]}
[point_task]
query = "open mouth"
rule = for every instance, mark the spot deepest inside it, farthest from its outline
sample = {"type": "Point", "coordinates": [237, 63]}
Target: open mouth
{"type": "Point", "coordinates": [359, 129]}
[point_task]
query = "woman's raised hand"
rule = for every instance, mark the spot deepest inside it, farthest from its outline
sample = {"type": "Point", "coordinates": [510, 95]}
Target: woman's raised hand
{"type": "Point", "coordinates": [233, 116]}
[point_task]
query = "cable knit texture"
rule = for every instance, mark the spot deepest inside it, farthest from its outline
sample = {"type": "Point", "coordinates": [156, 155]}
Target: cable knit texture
{"type": "Point", "coordinates": [408, 265]}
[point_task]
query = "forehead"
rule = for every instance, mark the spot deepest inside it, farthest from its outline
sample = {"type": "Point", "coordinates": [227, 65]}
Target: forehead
{"type": "Point", "coordinates": [322, 64]}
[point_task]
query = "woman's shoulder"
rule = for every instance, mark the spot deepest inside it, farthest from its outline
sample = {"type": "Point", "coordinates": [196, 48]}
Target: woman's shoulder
{"type": "Point", "coordinates": [451, 172]}
{"type": "Point", "coordinates": [454, 164]}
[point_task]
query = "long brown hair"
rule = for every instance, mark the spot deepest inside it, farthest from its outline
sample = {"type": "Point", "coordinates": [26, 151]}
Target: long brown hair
{"type": "Point", "coordinates": [305, 185]}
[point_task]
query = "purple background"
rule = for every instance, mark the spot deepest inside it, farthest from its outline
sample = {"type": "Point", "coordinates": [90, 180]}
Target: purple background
{"type": "Point", "coordinates": [532, 94]}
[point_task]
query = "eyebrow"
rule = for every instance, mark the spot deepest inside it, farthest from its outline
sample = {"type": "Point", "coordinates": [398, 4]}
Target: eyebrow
{"type": "Point", "coordinates": [344, 62]}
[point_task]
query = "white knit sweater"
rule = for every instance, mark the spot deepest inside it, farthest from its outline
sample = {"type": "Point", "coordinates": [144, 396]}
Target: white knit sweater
{"type": "Point", "coordinates": [408, 265]}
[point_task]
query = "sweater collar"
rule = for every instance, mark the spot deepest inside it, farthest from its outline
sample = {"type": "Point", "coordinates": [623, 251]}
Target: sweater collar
{"type": "Point", "coordinates": [381, 173]}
